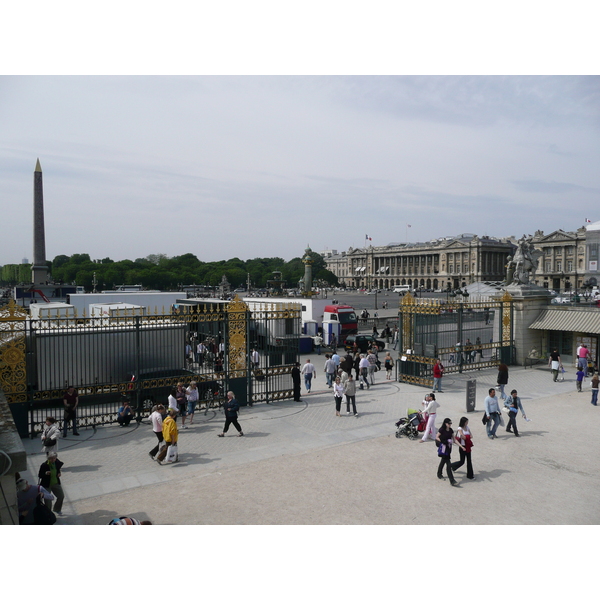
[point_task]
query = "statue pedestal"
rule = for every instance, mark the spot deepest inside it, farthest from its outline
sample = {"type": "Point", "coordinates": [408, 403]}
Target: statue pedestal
{"type": "Point", "coordinates": [528, 302]}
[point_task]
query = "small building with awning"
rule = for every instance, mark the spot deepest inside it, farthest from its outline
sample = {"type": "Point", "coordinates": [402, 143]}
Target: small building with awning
{"type": "Point", "coordinates": [566, 327]}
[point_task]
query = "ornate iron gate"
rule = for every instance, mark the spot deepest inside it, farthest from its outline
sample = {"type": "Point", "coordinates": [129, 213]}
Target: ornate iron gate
{"type": "Point", "coordinates": [141, 357]}
{"type": "Point", "coordinates": [466, 336]}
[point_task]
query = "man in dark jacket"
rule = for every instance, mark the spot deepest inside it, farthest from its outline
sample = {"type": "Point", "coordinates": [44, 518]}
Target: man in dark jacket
{"type": "Point", "coordinates": [231, 408]}
{"type": "Point", "coordinates": [49, 475]}
{"type": "Point", "coordinates": [296, 381]}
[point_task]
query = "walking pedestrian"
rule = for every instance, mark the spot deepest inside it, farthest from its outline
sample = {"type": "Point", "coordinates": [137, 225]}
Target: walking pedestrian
{"type": "Point", "coordinates": [181, 403]}
{"type": "Point", "coordinates": [395, 337]}
{"type": "Point", "coordinates": [50, 436]}
{"type": "Point", "coordinates": [372, 358]}
{"type": "Point", "coordinates": [156, 418]}
{"type": "Point", "coordinates": [231, 408]}
{"type": "Point", "coordinates": [364, 371]}
{"type": "Point", "coordinates": [444, 437]}
{"type": "Point", "coordinates": [170, 435]}
{"type": "Point", "coordinates": [582, 358]}
{"type": "Point", "coordinates": [431, 413]}
{"type": "Point", "coordinates": [492, 412]}
{"type": "Point", "coordinates": [173, 402]}
{"type": "Point", "coordinates": [438, 373]}
{"type": "Point", "coordinates": [329, 370]}
{"type": "Point", "coordinates": [514, 405]}
{"type": "Point", "coordinates": [255, 358]}
{"type": "Point", "coordinates": [318, 342]}
{"type": "Point", "coordinates": [71, 402]}
{"type": "Point", "coordinates": [192, 396]}
{"type": "Point", "coordinates": [350, 392]}
{"type": "Point", "coordinates": [296, 381]}
{"type": "Point", "coordinates": [309, 371]}
{"type": "Point", "coordinates": [338, 393]}
{"type": "Point", "coordinates": [49, 478]}
{"type": "Point", "coordinates": [464, 439]}
{"type": "Point", "coordinates": [389, 365]}
{"type": "Point", "coordinates": [595, 380]}
{"type": "Point", "coordinates": [555, 363]}
{"type": "Point", "coordinates": [502, 379]}
{"type": "Point", "coordinates": [580, 375]}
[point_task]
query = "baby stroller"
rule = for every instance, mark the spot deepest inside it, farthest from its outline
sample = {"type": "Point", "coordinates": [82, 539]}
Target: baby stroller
{"type": "Point", "coordinates": [410, 426]}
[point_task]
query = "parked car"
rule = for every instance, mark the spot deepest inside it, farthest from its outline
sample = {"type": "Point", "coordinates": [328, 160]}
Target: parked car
{"type": "Point", "coordinates": [363, 342]}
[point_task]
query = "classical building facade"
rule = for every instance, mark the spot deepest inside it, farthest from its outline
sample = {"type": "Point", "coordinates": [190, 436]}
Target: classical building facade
{"type": "Point", "coordinates": [446, 262]}
{"type": "Point", "coordinates": [569, 259]}
{"type": "Point", "coordinates": [562, 265]}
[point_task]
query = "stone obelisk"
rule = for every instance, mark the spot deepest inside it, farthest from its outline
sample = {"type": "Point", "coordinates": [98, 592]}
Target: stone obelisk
{"type": "Point", "coordinates": [39, 269]}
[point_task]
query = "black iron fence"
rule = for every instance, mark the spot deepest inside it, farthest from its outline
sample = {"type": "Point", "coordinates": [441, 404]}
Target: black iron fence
{"type": "Point", "coordinates": [465, 336]}
{"type": "Point", "coordinates": [139, 358]}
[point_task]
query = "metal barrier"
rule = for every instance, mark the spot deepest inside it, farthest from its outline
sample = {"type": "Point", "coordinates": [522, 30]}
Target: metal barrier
{"type": "Point", "coordinates": [140, 358]}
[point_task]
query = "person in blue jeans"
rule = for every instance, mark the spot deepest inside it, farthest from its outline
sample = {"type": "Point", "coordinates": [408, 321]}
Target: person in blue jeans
{"type": "Point", "coordinates": [502, 379]}
{"type": "Point", "coordinates": [309, 371]}
{"type": "Point", "coordinates": [492, 411]}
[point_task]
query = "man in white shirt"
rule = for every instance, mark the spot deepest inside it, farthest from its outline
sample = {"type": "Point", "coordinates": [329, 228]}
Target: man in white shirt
{"type": "Point", "coordinates": [255, 359]}
{"type": "Point", "coordinates": [363, 369]}
{"type": "Point", "coordinates": [309, 371]}
{"type": "Point", "coordinates": [329, 370]}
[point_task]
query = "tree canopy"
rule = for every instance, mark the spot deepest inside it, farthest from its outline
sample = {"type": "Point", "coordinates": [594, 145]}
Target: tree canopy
{"type": "Point", "coordinates": [158, 271]}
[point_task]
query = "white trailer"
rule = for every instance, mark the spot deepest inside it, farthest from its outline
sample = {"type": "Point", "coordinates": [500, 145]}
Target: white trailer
{"type": "Point", "coordinates": [115, 313]}
{"type": "Point", "coordinates": [155, 302]}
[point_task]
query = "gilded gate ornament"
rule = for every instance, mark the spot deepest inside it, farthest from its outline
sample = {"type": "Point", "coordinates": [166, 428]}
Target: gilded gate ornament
{"type": "Point", "coordinates": [13, 372]}
{"type": "Point", "coordinates": [238, 326]}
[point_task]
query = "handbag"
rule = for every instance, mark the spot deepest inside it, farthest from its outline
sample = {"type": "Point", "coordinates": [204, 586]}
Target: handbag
{"type": "Point", "coordinates": [505, 409]}
{"type": "Point", "coordinates": [442, 450]}
{"type": "Point", "coordinates": [49, 442]}
{"type": "Point", "coordinates": [172, 454]}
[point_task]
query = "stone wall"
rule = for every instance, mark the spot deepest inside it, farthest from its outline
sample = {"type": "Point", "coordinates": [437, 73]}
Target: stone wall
{"type": "Point", "coordinates": [13, 459]}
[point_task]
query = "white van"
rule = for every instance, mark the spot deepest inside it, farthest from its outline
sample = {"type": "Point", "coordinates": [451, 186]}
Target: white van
{"type": "Point", "coordinates": [402, 289]}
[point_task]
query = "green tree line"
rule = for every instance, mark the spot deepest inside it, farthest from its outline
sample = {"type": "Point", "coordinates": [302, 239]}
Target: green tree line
{"type": "Point", "coordinates": [158, 271]}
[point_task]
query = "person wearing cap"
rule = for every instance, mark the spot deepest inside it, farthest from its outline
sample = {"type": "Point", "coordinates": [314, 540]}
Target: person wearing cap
{"type": "Point", "coordinates": [514, 405]}
{"type": "Point", "coordinates": [26, 497]}
{"type": "Point", "coordinates": [170, 434]}
{"type": "Point", "coordinates": [192, 396]}
{"type": "Point", "coordinates": [49, 476]}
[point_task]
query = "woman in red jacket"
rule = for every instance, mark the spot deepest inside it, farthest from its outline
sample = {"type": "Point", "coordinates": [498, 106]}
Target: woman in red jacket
{"type": "Point", "coordinates": [438, 372]}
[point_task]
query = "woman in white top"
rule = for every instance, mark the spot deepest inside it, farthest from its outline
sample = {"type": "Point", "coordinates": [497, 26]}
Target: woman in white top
{"type": "Point", "coordinates": [158, 412]}
{"type": "Point", "coordinates": [50, 436]}
{"type": "Point", "coordinates": [464, 439]}
{"type": "Point", "coordinates": [192, 399]}
{"type": "Point", "coordinates": [431, 411]}
{"type": "Point", "coordinates": [338, 393]}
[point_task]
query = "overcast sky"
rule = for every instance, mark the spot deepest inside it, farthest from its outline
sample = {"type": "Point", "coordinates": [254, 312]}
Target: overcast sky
{"type": "Point", "coordinates": [252, 166]}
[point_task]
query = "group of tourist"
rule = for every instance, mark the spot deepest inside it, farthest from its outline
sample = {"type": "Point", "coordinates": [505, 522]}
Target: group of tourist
{"type": "Point", "coordinates": [445, 436]}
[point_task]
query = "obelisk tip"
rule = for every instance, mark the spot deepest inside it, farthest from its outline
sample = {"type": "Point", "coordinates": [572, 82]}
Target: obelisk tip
{"type": "Point", "coordinates": [38, 166]}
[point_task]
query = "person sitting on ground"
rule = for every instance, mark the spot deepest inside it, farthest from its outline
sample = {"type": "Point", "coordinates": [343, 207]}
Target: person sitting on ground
{"type": "Point", "coordinates": [125, 414]}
